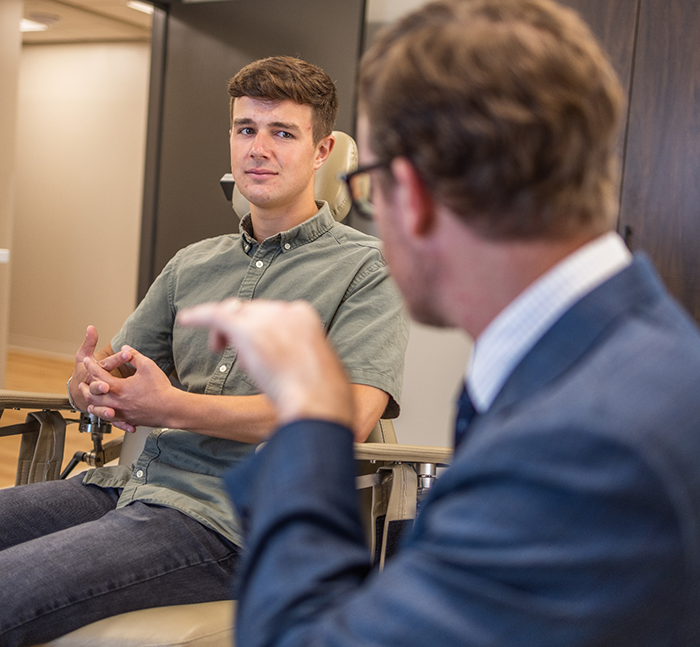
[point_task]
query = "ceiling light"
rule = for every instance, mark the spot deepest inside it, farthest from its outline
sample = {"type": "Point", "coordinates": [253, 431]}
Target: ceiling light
{"type": "Point", "coordinates": [31, 25]}
{"type": "Point", "coordinates": [39, 21]}
{"type": "Point", "coordinates": [140, 6]}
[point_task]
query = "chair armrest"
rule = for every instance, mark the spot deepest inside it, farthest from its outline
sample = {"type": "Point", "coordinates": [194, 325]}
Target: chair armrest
{"type": "Point", "coordinates": [404, 475]}
{"type": "Point", "coordinates": [390, 453]}
{"type": "Point", "coordinates": [28, 400]}
{"type": "Point", "coordinates": [43, 436]}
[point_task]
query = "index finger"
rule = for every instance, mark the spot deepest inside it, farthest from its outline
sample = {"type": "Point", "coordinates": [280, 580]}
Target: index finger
{"type": "Point", "coordinates": [115, 361]}
{"type": "Point", "coordinates": [87, 348]}
{"type": "Point", "coordinates": [95, 371]}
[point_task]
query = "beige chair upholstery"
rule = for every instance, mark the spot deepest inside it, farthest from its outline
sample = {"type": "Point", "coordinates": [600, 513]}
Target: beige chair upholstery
{"type": "Point", "coordinates": [43, 434]}
{"type": "Point", "coordinates": [193, 625]}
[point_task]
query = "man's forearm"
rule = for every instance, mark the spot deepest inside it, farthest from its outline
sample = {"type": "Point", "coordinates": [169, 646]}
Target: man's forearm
{"type": "Point", "coordinates": [252, 418]}
{"type": "Point", "coordinates": [246, 418]}
{"type": "Point", "coordinates": [147, 398]}
{"type": "Point", "coordinates": [504, 551]}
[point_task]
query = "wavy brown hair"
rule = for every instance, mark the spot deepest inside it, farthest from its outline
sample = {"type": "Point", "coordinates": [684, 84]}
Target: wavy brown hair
{"type": "Point", "coordinates": [284, 77]}
{"type": "Point", "coordinates": [508, 109]}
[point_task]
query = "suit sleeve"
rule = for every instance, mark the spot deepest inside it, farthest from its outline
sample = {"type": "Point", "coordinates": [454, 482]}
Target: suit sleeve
{"type": "Point", "coordinates": [539, 541]}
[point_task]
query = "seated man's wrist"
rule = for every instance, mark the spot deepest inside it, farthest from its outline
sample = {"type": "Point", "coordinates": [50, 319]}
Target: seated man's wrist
{"type": "Point", "coordinates": [73, 403]}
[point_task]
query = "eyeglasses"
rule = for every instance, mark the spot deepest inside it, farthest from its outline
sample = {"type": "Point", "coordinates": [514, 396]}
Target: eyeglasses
{"type": "Point", "coordinates": [360, 187]}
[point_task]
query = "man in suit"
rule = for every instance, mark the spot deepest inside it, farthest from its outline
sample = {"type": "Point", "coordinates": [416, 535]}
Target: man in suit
{"type": "Point", "coordinates": [571, 512]}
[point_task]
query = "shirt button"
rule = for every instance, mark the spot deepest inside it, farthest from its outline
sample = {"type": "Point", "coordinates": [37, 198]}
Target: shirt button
{"type": "Point", "coordinates": [139, 474]}
{"type": "Point", "coordinates": [259, 264]}
{"type": "Point", "coordinates": [222, 368]}
{"type": "Point", "coordinates": [287, 246]}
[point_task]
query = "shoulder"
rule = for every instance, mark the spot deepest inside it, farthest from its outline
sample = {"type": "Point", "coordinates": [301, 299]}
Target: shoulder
{"type": "Point", "coordinates": [209, 246]}
{"type": "Point", "coordinates": [619, 424]}
{"type": "Point", "coordinates": [634, 386]}
{"type": "Point", "coordinates": [357, 246]}
{"type": "Point", "coordinates": [350, 237]}
{"type": "Point", "coordinates": [204, 251]}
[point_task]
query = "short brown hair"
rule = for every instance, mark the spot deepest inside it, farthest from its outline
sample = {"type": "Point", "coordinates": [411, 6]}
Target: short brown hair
{"type": "Point", "coordinates": [508, 110]}
{"type": "Point", "coordinates": [283, 77]}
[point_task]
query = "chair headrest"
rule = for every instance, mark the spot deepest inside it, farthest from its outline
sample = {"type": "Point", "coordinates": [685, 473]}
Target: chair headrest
{"type": "Point", "coordinates": [327, 186]}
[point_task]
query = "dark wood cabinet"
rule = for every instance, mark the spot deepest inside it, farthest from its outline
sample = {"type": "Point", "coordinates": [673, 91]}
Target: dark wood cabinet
{"type": "Point", "coordinates": [661, 184]}
{"type": "Point", "coordinates": [653, 45]}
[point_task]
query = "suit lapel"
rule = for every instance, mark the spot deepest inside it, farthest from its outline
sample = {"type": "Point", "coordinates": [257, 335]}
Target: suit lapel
{"type": "Point", "coordinates": [579, 329]}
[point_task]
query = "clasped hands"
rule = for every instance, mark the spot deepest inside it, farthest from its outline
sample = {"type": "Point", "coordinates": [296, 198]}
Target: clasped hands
{"type": "Point", "coordinates": [139, 397]}
{"type": "Point", "coordinates": [281, 345]}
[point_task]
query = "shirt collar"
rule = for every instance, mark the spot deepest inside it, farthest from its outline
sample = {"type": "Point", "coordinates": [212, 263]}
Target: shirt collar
{"type": "Point", "coordinates": [525, 320]}
{"type": "Point", "coordinates": [305, 232]}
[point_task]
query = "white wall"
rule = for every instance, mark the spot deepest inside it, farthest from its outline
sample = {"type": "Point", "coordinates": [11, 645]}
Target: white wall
{"type": "Point", "coordinates": [10, 47]}
{"type": "Point", "coordinates": [435, 363]}
{"type": "Point", "coordinates": [80, 157]}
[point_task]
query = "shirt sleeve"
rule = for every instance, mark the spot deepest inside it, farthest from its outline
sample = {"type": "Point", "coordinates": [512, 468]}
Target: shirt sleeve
{"type": "Point", "coordinates": [370, 332]}
{"type": "Point", "coordinates": [149, 329]}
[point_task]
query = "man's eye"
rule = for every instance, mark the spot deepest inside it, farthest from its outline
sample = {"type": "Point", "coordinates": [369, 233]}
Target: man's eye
{"type": "Point", "coordinates": [284, 134]}
{"type": "Point", "coordinates": [246, 131]}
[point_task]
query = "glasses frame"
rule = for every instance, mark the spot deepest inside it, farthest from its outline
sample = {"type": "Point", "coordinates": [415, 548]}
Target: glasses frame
{"type": "Point", "coordinates": [362, 209]}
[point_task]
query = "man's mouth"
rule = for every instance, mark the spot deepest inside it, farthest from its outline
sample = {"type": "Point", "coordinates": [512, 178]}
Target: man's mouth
{"type": "Point", "coordinates": [260, 172]}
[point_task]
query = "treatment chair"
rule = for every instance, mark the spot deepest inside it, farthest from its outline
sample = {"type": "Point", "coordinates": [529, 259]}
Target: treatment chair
{"type": "Point", "coordinates": [392, 478]}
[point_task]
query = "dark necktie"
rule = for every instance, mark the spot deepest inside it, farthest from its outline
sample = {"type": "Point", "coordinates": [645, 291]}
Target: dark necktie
{"type": "Point", "coordinates": [465, 414]}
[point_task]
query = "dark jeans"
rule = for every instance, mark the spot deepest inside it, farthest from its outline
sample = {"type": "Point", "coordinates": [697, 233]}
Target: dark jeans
{"type": "Point", "coordinates": [68, 558]}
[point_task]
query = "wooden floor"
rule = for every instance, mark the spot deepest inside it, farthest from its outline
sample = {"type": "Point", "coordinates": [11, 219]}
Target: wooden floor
{"type": "Point", "coordinates": [42, 375]}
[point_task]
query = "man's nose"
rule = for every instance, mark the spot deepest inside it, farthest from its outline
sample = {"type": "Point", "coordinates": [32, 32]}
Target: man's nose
{"type": "Point", "coordinates": [260, 146]}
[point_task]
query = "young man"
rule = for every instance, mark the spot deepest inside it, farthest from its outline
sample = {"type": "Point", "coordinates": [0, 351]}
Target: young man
{"type": "Point", "coordinates": [163, 532]}
{"type": "Point", "coordinates": [571, 512]}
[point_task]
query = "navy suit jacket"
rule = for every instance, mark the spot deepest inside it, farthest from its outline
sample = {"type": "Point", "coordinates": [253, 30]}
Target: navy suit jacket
{"type": "Point", "coordinates": [570, 515]}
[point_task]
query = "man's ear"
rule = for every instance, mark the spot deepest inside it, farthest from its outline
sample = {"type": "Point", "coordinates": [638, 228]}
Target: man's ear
{"type": "Point", "coordinates": [413, 198]}
{"type": "Point", "coordinates": [323, 150]}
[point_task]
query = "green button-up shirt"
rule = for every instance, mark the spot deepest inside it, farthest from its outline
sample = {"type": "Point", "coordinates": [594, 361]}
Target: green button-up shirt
{"type": "Point", "coordinates": [337, 269]}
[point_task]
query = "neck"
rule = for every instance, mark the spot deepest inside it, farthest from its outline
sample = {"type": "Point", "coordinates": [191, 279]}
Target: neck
{"type": "Point", "coordinates": [269, 222]}
{"type": "Point", "coordinates": [498, 271]}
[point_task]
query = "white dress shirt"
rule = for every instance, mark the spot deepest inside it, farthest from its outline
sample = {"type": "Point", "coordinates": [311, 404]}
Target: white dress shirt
{"type": "Point", "coordinates": [525, 320]}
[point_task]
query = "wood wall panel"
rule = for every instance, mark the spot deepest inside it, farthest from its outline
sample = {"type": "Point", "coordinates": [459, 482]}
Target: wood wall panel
{"type": "Point", "coordinates": [613, 24]}
{"type": "Point", "coordinates": [661, 183]}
